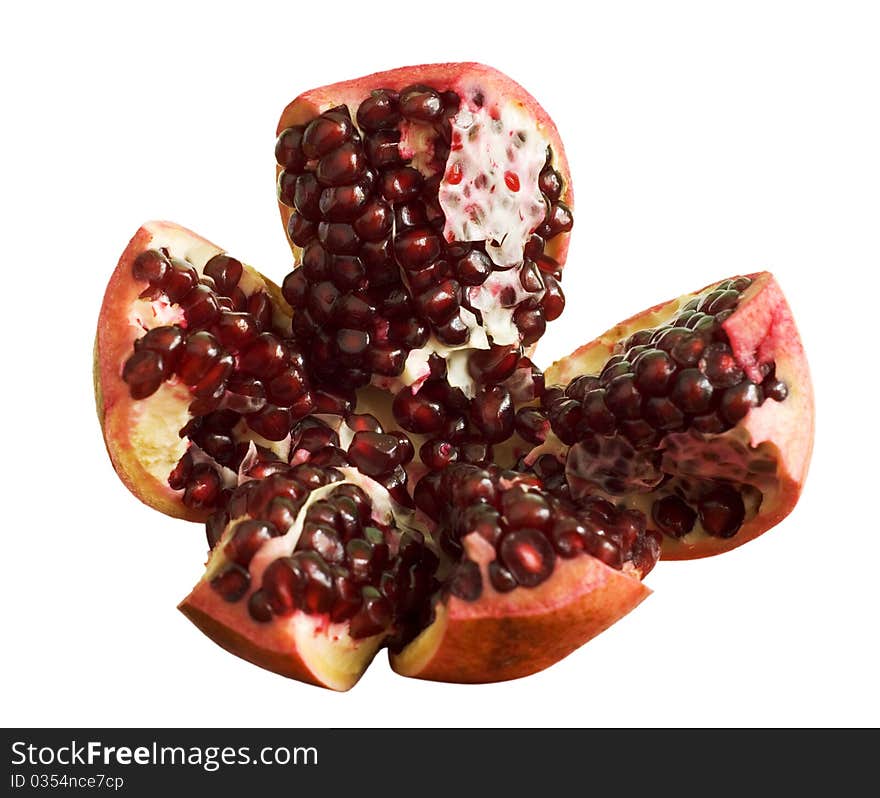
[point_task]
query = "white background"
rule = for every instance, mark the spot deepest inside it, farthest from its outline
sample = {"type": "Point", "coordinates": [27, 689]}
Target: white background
{"type": "Point", "coordinates": [705, 140]}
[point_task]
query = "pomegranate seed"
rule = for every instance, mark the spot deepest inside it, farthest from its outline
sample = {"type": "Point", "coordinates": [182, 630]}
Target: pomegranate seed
{"type": "Point", "coordinates": [288, 149]}
{"type": "Point", "coordinates": [150, 266]}
{"type": "Point", "coordinates": [421, 103]}
{"type": "Point", "coordinates": [266, 357]}
{"type": "Point", "coordinates": [417, 413]}
{"type": "Point", "coordinates": [502, 580]}
{"type": "Point", "coordinates": [232, 582]}
{"type": "Point", "coordinates": [225, 271]}
{"type": "Point", "coordinates": [722, 512]}
{"type": "Point", "coordinates": [374, 616]}
{"type": "Point", "coordinates": [203, 487]}
{"type": "Point", "coordinates": [379, 111]}
{"type": "Point", "coordinates": [492, 413]}
{"type": "Point", "coordinates": [674, 517]}
{"type": "Point", "coordinates": [144, 372]}
{"type": "Point", "coordinates": [325, 134]}
{"type": "Point", "coordinates": [466, 583]}
{"type": "Point", "coordinates": [246, 540]}
{"type": "Point", "coordinates": [528, 555]}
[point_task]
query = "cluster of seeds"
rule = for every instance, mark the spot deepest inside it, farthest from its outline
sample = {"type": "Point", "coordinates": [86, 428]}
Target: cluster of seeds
{"type": "Point", "coordinates": [718, 505]}
{"type": "Point", "coordinates": [378, 454]}
{"type": "Point", "coordinates": [528, 526]}
{"type": "Point", "coordinates": [240, 371]}
{"type": "Point", "coordinates": [681, 375]}
{"type": "Point", "coordinates": [459, 429]}
{"type": "Point", "coordinates": [378, 278]}
{"type": "Point", "coordinates": [345, 565]}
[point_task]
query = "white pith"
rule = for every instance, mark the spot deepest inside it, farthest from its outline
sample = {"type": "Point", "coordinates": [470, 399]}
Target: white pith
{"type": "Point", "coordinates": [490, 149]}
{"type": "Point", "coordinates": [154, 429]}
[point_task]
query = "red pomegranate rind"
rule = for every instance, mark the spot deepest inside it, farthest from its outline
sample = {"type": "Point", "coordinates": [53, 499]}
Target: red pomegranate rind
{"type": "Point", "coordinates": [448, 76]}
{"type": "Point", "coordinates": [138, 458]}
{"type": "Point", "coordinates": [761, 330]}
{"type": "Point", "coordinates": [506, 636]}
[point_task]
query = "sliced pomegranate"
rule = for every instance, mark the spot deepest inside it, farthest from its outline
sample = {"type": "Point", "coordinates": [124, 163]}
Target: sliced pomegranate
{"type": "Point", "coordinates": [698, 412]}
{"type": "Point", "coordinates": [294, 582]}
{"type": "Point", "coordinates": [534, 576]}
{"type": "Point", "coordinates": [377, 459]}
{"type": "Point", "coordinates": [430, 210]}
{"type": "Point", "coordinates": [314, 569]}
{"type": "Point", "coordinates": [191, 366]}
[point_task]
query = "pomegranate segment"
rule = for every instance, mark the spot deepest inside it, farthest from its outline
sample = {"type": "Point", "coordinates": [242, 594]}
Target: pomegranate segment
{"type": "Point", "coordinates": [191, 367]}
{"type": "Point", "coordinates": [697, 412]}
{"type": "Point", "coordinates": [310, 574]}
{"type": "Point", "coordinates": [430, 208]}
{"type": "Point", "coordinates": [535, 577]}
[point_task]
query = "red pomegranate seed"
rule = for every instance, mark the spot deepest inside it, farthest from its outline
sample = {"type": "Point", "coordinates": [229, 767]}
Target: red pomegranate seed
{"type": "Point", "coordinates": [528, 555]}
{"type": "Point", "coordinates": [150, 266]}
{"type": "Point", "coordinates": [341, 166]}
{"type": "Point", "coordinates": [199, 354]}
{"type": "Point", "coordinates": [179, 280]}
{"type": "Point", "coordinates": [379, 111]}
{"type": "Point", "coordinates": [673, 515]}
{"type": "Point", "coordinates": [143, 372]}
{"type": "Point", "coordinates": [326, 133]}
{"type": "Point", "coordinates": [722, 511]}
{"type": "Point", "coordinates": [492, 413]}
{"type": "Point", "coordinates": [375, 453]}
{"type": "Point", "coordinates": [225, 271]}
{"type": "Point", "coordinates": [437, 454]}
{"type": "Point", "coordinates": [421, 103]}
{"type": "Point", "coordinates": [283, 582]}
{"type": "Point", "coordinates": [466, 583]}
{"type": "Point", "coordinates": [203, 487]}
{"type": "Point", "coordinates": [246, 540]}
{"type": "Point", "coordinates": [374, 616]}
{"type": "Point", "coordinates": [232, 582]}
{"type": "Point", "coordinates": [417, 413]}
{"type": "Point", "coordinates": [502, 580]}
{"type": "Point", "coordinates": [272, 422]}
{"type": "Point", "coordinates": [266, 357]}
{"type": "Point", "coordinates": [288, 149]}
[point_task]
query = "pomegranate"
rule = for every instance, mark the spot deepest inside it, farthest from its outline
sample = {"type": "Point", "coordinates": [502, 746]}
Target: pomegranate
{"type": "Point", "coordinates": [698, 412]}
{"type": "Point", "coordinates": [429, 210]}
{"type": "Point", "coordinates": [378, 461]}
{"type": "Point", "coordinates": [191, 369]}
{"type": "Point", "coordinates": [313, 570]}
